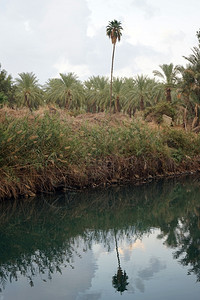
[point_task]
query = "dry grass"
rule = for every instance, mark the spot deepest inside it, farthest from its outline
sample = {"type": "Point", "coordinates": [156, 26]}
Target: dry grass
{"type": "Point", "coordinates": [50, 149]}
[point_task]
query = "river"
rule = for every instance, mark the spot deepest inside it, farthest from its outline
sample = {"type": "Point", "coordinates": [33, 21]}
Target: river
{"type": "Point", "coordinates": [130, 242]}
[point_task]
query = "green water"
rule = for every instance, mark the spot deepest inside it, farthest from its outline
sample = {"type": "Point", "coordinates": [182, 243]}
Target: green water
{"type": "Point", "coordinates": [116, 243]}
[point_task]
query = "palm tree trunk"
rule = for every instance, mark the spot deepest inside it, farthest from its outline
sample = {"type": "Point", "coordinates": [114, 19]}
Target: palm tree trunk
{"type": "Point", "coordinates": [27, 102]}
{"type": "Point", "coordinates": [185, 118]}
{"type": "Point", "coordinates": [118, 107]}
{"type": "Point", "coordinates": [111, 75]}
{"type": "Point", "coordinates": [168, 95]}
{"type": "Point", "coordinates": [129, 112]}
{"type": "Point", "coordinates": [142, 103]}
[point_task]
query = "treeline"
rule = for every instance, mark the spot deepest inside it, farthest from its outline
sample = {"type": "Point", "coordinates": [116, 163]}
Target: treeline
{"type": "Point", "coordinates": [171, 83]}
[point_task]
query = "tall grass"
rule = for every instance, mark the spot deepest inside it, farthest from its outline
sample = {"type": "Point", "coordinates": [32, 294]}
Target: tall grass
{"type": "Point", "coordinates": [41, 153]}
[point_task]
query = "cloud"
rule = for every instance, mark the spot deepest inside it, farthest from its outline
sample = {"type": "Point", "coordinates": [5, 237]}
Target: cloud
{"type": "Point", "coordinates": [41, 34]}
{"type": "Point", "coordinates": [63, 66]}
{"type": "Point", "coordinates": [149, 10]}
{"type": "Point", "coordinates": [130, 59]}
{"type": "Point", "coordinates": [92, 296]}
{"type": "Point", "coordinates": [139, 285]}
{"type": "Point", "coordinates": [173, 36]}
{"type": "Point", "coordinates": [64, 28]}
{"type": "Point", "coordinates": [155, 266]}
{"type": "Point", "coordinates": [46, 37]}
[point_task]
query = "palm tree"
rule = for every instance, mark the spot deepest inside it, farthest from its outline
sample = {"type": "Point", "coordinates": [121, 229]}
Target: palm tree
{"type": "Point", "coordinates": [6, 87]}
{"type": "Point", "coordinates": [169, 76]}
{"type": "Point", "coordinates": [66, 91]}
{"type": "Point", "coordinates": [193, 70]}
{"type": "Point", "coordinates": [128, 105]}
{"type": "Point", "coordinates": [141, 92]}
{"type": "Point", "coordinates": [113, 30]}
{"type": "Point", "coordinates": [97, 93]}
{"type": "Point", "coordinates": [28, 90]}
{"type": "Point", "coordinates": [190, 83]}
{"type": "Point", "coordinates": [194, 58]}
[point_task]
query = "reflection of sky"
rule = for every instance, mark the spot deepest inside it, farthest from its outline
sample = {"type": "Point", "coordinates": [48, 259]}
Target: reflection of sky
{"type": "Point", "coordinates": [62, 286]}
{"type": "Point", "coordinates": [125, 250]}
{"type": "Point", "coordinates": [152, 274]}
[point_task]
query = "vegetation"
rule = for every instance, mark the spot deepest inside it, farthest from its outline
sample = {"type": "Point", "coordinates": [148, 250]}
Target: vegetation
{"type": "Point", "coordinates": [28, 90]}
{"type": "Point", "coordinates": [157, 111]}
{"type": "Point", "coordinates": [178, 85]}
{"type": "Point", "coordinates": [6, 88]}
{"type": "Point", "coordinates": [47, 151]}
{"type": "Point", "coordinates": [169, 76]}
{"type": "Point", "coordinates": [60, 134]}
{"type": "Point", "coordinates": [67, 91]}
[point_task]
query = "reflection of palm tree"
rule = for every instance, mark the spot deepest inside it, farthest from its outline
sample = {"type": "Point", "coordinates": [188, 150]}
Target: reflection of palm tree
{"type": "Point", "coordinates": [119, 280]}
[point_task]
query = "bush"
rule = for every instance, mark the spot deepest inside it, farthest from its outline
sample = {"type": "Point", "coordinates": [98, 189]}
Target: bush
{"type": "Point", "coordinates": [156, 112]}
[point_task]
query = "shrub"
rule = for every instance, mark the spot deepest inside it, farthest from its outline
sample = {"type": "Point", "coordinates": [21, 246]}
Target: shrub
{"type": "Point", "coordinates": [156, 112]}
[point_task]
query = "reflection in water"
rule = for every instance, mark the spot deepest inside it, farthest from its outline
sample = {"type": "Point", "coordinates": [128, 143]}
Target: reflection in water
{"type": "Point", "coordinates": [155, 266]}
{"type": "Point", "coordinates": [42, 237]}
{"type": "Point", "coordinates": [119, 280]}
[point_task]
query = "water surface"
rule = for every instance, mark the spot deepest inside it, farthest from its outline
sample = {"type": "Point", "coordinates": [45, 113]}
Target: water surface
{"type": "Point", "coordinates": [116, 243]}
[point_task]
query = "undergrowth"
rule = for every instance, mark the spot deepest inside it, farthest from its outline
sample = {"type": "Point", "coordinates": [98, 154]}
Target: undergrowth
{"type": "Point", "coordinates": [44, 153]}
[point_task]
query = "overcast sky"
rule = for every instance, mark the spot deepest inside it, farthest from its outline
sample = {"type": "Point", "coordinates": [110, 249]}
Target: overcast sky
{"type": "Point", "coordinates": [48, 37]}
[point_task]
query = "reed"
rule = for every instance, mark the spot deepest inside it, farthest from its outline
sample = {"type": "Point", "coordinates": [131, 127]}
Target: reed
{"type": "Point", "coordinates": [46, 152]}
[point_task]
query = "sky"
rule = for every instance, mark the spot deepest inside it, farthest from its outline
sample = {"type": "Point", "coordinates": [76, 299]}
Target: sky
{"type": "Point", "coordinates": [48, 37]}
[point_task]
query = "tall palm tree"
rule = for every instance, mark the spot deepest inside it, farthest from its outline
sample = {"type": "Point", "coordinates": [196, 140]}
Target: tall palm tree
{"type": "Point", "coordinates": [67, 91]}
{"type": "Point", "coordinates": [28, 90]}
{"type": "Point", "coordinates": [113, 30]}
{"type": "Point", "coordinates": [169, 76]}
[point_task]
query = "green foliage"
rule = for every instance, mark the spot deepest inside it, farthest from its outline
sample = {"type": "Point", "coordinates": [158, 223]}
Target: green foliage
{"type": "Point", "coordinates": [168, 74]}
{"type": "Point", "coordinates": [114, 31]}
{"type": "Point", "coordinates": [96, 93]}
{"type": "Point", "coordinates": [181, 144]}
{"type": "Point", "coordinates": [6, 88]}
{"type": "Point", "coordinates": [191, 75]}
{"type": "Point", "coordinates": [157, 111]}
{"type": "Point", "coordinates": [41, 139]}
{"type": "Point", "coordinates": [28, 90]}
{"type": "Point", "coordinates": [67, 91]}
{"type": "Point", "coordinates": [3, 99]}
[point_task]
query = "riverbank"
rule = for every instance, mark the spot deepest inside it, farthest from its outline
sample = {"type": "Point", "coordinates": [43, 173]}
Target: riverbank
{"type": "Point", "coordinates": [48, 150]}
